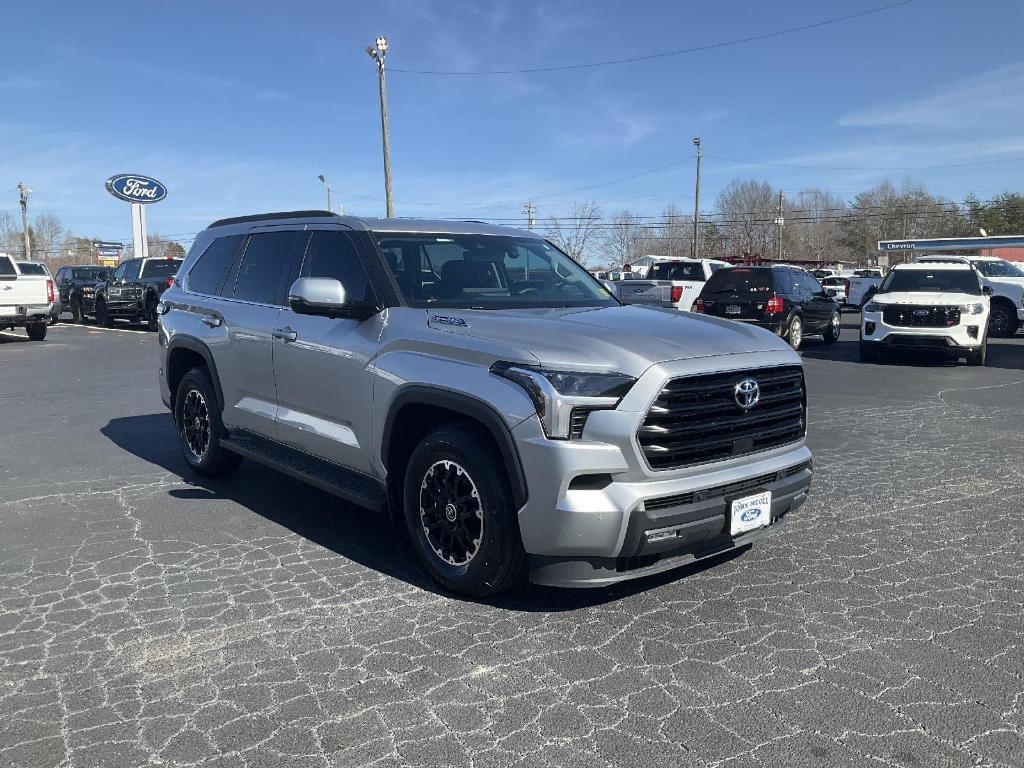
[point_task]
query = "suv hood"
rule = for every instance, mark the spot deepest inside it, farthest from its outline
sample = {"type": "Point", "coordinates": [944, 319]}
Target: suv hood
{"type": "Point", "coordinates": [926, 297]}
{"type": "Point", "coordinates": [627, 339]}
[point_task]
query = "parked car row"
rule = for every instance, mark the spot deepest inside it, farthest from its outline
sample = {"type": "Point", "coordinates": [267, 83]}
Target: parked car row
{"type": "Point", "coordinates": [131, 291]}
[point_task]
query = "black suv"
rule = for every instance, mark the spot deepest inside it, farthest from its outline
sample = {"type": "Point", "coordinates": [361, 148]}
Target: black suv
{"type": "Point", "coordinates": [77, 288]}
{"type": "Point", "coordinates": [134, 289]}
{"type": "Point", "coordinates": [786, 300]}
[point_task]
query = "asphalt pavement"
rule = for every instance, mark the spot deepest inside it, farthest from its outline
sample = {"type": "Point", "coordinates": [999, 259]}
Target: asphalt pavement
{"type": "Point", "coordinates": [148, 617]}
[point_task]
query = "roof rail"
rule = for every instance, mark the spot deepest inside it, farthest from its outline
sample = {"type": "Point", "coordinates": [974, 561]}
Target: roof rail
{"type": "Point", "coordinates": [273, 215]}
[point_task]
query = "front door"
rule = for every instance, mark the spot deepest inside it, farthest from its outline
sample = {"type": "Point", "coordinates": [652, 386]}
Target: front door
{"type": "Point", "coordinates": [253, 298]}
{"type": "Point", "coordinates": [322, 364]}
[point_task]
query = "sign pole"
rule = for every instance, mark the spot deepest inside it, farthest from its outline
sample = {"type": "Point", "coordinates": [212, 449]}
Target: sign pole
{"type": "Point", "coordinates": [138, 230]}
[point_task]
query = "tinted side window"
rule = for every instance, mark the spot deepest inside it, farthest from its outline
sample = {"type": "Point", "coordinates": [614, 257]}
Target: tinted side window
{"type": "Point", "coordinates": [161, 268]}
{"type": "Point", "coordinates": [265, 267]}
{"type": "Point", "coordinates": [206, 275]}
{"type": "Point", "coordinates": [333, 254]}
{"type": "Point", "coordinates": [7, 267]}
{"type": "Point", "coordinates": [132, 273]}
{"type": "Point", "coordinates": [810, 282]}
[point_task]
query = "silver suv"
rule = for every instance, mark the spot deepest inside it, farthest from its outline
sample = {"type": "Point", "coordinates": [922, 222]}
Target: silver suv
{"type": "Point", "coordinates": [483, 388]}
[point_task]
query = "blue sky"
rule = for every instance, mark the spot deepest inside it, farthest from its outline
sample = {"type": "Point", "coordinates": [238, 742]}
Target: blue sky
{"type": "Point", "coordinates": [238, 106]}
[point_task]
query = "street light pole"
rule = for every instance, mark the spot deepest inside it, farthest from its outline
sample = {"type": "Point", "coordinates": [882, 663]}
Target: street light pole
{"type": "Point", "coordinates": [378, 53]}
{"type": "Point", "coordinates": [23, 193]}
{"type": "Point", "coordinates": [324, 182]}
{"type": "Point", "coordinates": [696, 203]}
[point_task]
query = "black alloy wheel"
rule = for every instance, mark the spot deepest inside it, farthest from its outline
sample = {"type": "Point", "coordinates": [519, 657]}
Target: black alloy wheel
{"type": "Point", "coordinates": [451, 512]}
{"type": "Point", "coordinates": [195, 424]}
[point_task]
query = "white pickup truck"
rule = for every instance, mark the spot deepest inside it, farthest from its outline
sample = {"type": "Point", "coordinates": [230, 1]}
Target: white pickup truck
{"type": "Point", "coordinates": [25, 302]}
{"type": "Point", "coordinates": [673, 283]}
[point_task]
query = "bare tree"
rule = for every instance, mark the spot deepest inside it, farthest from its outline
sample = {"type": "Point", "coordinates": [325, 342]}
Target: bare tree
{"type": "Point", "coordinates": [11, 241]}
{"type": "Point", "coordinates": [625, 239]}
{"type": "Point", "coordinates": [746, 216]}
{"type": "Point", "coordinates": [813, 229]}
{"type": "Point", "coordinates": [578, 233]}
{"type": "Point", "coordinates": [47, 234]}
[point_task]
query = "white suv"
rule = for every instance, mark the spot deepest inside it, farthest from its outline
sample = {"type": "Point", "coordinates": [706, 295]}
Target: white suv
{"type": "Point", "coordinates": [1005, 279]}
{"type": "Point", "coordinates": [930, 306]}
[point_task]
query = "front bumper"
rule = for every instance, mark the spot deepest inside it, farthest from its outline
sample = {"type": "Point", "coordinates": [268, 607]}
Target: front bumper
{"type": "Point", "coordinates": [957, 339]}
{"type": "Point", "coordinates": [593, 502]}
{"type": "Point", "coordinates": [125, 308]}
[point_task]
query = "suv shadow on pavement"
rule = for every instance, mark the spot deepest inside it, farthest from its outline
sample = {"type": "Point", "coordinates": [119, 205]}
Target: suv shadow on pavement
{"type": "Point", "coordinates": [348, 530]}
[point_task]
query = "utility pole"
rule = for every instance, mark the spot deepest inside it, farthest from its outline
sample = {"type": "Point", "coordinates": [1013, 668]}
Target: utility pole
{"type": "Point", "coordinates": [324, 182]}
{"type": "Point", "coordinates": [23, 193]}
{"type": "Point", "coordinates": [378, 53]}
{"type": "Point", "coordinates": [530, 210]}
{"type": "Point", "coordinates": [780, 221]}
{"type": "Point", "coordinates": [696, 204]}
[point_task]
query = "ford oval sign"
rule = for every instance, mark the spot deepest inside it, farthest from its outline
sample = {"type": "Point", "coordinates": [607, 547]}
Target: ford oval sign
{"type": "Point", "coordinates": [136, 188]}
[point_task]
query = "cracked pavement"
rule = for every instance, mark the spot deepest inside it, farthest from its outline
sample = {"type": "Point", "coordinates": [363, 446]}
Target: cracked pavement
{"type": "Point", "coordinates": [148, 618]}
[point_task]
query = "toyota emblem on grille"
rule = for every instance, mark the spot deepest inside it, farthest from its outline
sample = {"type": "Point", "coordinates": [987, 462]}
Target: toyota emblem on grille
{"type": "Point", "coordinates": [747, 393]}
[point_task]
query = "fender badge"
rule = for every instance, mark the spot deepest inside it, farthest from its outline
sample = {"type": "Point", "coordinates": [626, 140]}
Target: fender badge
{"type": "Point", "coordinates": [446, 320]}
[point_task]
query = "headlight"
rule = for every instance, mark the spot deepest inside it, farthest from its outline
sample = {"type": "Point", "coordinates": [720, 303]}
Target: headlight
{"type": "Point", "coordinates": [87, 289]}
{"type": "Point", "coordinates": [872, 306]}
{"type": "Point", "coordinates": [973, 309]}
{"type": "Point", "coordinates": [556, 393]}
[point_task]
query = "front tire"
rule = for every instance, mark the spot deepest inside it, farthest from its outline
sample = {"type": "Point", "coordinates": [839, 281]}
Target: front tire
{"type": "Point", "coordinates": [36, 331]}
{"type": "Point", "coordinates": [199, 426]}
{"type": "Point", "coordinates": [77, 316]}
{"type": "Point", "coordinates": [459, 516]}
{"type": "Point", "coordinates": [795, 331]}
{"type": "Point", "coordinates": [979, 357]}
{"type": "Point", "coordinates": [831, 334]}
{"type": "Point", "coordinates": [151, 319]}
{"type": "Point", "coordinates": [102, 316]}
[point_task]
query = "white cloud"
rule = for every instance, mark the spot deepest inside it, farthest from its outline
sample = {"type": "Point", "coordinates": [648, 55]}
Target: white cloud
{"type": "Point", "coordinates": [991, 98]}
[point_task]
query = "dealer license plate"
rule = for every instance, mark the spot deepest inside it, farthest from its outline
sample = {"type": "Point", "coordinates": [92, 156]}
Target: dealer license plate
{"type": "Point", "coordinates": [732, 309]}
{"type": "Point", "coordinates": [750, 512]}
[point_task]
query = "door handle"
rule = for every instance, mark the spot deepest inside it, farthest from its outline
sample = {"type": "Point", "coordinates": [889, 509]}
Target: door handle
{"type": "Point", "coordinates": [286, 334]}
{"type": "Point", "coordinates": [213, 322]}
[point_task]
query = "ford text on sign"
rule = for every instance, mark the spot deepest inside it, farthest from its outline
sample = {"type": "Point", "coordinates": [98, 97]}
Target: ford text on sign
{"type": "Point", "coordinates": [136, 188]}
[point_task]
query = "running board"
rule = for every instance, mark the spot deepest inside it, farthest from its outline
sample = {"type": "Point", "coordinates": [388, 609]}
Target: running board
{"type": "Point", "coordinates": [340, 481]}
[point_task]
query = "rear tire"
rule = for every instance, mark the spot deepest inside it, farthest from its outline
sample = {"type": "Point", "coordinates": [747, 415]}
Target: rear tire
{"type": "Point", "coordinates": [36, 331]}
{"type": "Point", "coordinates": [199, 426]}
{"type": "Point", "coordinates": [459, 514]}
{"type": "Point", "coordinates": [831, 334]}
{"type": "Point", "coordinates": [795, 331]}
{"type": "Point", "coordinates": [1002, 321]}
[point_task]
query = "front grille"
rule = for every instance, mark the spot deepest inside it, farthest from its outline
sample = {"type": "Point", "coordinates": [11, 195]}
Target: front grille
{"type": "Point", "coordinates": [678, 499]}
{"type": "Point", "coordinates": [910, 316]}
{"type": "Point", "coordinates": [696, 420]}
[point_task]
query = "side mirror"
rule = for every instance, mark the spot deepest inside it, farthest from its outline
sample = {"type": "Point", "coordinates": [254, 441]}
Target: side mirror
{"type": "Point", "coordinates": [987, 290]}
{"type": "Point", "coordinates": [326, 297]}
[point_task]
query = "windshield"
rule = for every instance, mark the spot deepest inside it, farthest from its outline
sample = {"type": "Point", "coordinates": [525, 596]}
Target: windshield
{"type": "Point", "coordinates": [999, 268]}
{"type": "Point", "coordinates": [161, 268]}
{"type": "Point", "coordinates": [739, 280]}
{"type": "Point", "coordinates": [931, 281]}
{"type": "Point", "coordinates": [666, 270]}
{"type": "Point", "coordinates": [90, 273]}
{"type": "Point", "coordinates": [28, 268]}
{"type": "Point", "coordinates": [487, 272]}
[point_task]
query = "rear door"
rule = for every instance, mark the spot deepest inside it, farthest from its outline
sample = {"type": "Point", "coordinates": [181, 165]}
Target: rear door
{"type": "Point", "coordinates": [739, 293]}
{"type": "Point", "coordinates": [820, 305]}
{"type": "Point", "coordinates": [253, 297]}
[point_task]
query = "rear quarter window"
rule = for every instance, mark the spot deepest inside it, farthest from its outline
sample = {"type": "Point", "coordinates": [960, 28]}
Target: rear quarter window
{"type": "Point", "coordinates": [7, 267]}
{"type": "Point", "coordinates": [208, 272]}
{"type": "Point", "coordinates": [161, 268]}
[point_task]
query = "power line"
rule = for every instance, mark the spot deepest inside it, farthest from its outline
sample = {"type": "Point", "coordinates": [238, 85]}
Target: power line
{"type": "Point", "coordinates": [664, 54]}
{"type": "Point", "coordinates": [871, 167]}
